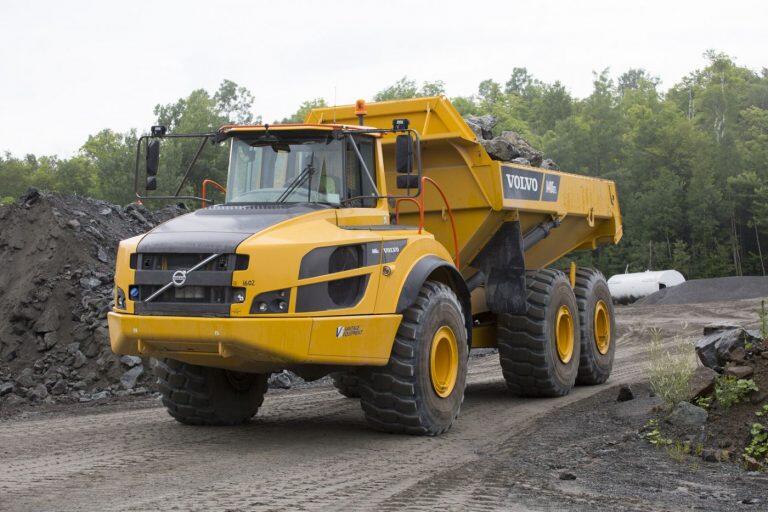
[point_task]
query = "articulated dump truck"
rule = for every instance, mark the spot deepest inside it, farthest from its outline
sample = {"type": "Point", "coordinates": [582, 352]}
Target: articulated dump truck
{"type": "Point", "coordinates": [374, 243]}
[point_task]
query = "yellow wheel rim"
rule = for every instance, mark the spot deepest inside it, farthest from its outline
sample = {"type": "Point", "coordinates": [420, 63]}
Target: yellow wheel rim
{"type": "Point", "coordinates": [444, 361]}
{"type": "Point", "coordinates": [602, 327]}
{"type": "Point", "coordinates": [564, 334]}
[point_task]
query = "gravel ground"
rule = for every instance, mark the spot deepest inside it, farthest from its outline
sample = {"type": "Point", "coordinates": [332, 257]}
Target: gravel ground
{"type": "Point", "coordinates": [310, 449]}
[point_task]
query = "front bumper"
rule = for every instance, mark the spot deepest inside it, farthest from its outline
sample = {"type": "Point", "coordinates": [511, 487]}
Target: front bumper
{"type": "Point", "coordinates": [257, 344]}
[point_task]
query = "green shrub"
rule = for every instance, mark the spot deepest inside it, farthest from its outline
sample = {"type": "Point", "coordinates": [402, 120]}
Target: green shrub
{"type": "Point", "coordinates": [669, 373]}
{"type": "Point", "coordinates": [729, 390]}
{"type": "Point", "coordinates": [758, 444]}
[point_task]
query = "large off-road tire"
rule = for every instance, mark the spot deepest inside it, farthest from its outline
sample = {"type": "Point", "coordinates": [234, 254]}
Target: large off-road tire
{"type": "Point", "coordinates": [598, 327]}
{"type": "Point", "coordinates": [539, 351]}
{"type": "Point", "coordinates": [200, 395]}
{"type": "Point", "coordinates": [346, 383]}
{"type": "Point", "coordinates": [421, 389]}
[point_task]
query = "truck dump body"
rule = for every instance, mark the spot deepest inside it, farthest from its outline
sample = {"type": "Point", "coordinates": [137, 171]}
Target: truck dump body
{"type": "Point", "coordinates": [485, 193]}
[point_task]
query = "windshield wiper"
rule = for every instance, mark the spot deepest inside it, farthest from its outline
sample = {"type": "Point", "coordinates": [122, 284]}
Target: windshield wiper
{"type": "Point", "coordinates": [307, 172]}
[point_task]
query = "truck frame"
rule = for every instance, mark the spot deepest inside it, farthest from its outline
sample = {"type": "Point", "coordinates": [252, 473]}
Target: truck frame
{"type": "Point", "coordinates": [376, 243]}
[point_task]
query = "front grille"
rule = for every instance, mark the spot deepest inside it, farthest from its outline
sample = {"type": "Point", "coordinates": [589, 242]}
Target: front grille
{"type": "Point", "coordinates": [225, 262]}
{"type": "Point", "coordinates": [207, 291]}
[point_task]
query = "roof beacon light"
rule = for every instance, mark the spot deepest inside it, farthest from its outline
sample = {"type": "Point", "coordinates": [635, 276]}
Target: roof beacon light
{"type": "Point", "coordinates": [360, 111]}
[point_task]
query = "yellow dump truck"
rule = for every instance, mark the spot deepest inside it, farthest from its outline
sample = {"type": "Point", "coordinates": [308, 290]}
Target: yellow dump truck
{"type": "Point", "coordinates": [376, 243]}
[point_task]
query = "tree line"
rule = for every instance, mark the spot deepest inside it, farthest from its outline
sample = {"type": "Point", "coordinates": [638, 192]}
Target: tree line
{"type": "Point", "coordinates": [690, 162]}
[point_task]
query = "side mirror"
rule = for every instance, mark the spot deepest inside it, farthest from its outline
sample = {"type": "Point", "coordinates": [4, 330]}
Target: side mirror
{"type": "Point", "coordinates": [407, 181]}
{"type": "Point", "coordinates": [404, 154]}
{"type": "Point", "coordinates": [153, 157]}
{"type": "Point", "coordinates": [151, 183]}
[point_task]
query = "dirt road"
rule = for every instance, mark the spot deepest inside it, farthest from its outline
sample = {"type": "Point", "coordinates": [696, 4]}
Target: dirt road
{"type": "Point", "coordinates": [307, 449]}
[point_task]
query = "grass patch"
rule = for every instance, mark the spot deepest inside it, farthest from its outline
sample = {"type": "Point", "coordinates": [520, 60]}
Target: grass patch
{"type": "Point", "coordinates": [670, 372]}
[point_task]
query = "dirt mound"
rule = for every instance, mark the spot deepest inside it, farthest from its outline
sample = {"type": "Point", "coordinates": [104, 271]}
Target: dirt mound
{"type": "Point", "coordinates": [58, 255]}
{"type": "Point", "coordinates": [710, 290]}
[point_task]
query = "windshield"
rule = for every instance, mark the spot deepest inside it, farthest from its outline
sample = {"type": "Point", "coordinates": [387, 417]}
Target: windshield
{"type": "Point", "coordinates": [299, 171]}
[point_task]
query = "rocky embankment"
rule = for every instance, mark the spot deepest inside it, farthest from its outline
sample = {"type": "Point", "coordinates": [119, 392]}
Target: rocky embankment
{"type": "Point", "coordinates": [56, 286]}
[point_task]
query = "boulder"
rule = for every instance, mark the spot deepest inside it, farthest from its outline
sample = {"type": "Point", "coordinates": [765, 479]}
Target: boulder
{"type": "Point", "coordinates": [524, 149]}
{"type": "Point", "coordinates": [702, 382]}
{"type": "Point", "coordinates": [6, 388]}
{"type": "Point", "coordinates": [481, 125]}
{"type": "Point", "coordinates": [740, 371]}
{"type": "Point", "coordinates": [686, 415]}
{"type": "Point", "coordinates": [280, 380]}
{"type": "Point", "coordinates": [499, 149]}
{"type": "Point", "coordinates": [714, 349]}
{"type": "Point", "coordinates": [129, 378]}
{"type": "Point", "coordinates": [39, 392]}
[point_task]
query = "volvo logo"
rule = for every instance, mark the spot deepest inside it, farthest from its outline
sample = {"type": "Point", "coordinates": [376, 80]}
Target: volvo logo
{"type": "Point", "coordinates": [179, 278]}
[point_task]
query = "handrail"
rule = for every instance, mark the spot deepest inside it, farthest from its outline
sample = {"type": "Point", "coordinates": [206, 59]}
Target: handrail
{"type": "Point", "coordinates": [418, 206]}
{"type": "Point", "coordinates": [419, 202]}
{"type": "Point", "coordinates": [203, 192]}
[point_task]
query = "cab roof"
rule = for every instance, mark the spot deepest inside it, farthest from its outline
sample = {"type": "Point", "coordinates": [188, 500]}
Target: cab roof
{"type": "Point", "coordinates": [232, 129]}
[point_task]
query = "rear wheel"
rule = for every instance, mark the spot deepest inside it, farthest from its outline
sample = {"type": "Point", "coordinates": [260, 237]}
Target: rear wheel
{"type": "Point", "coordinates": [346, 383]}
{"type": "Point", "coordinates": [421, 389]}
{"type": "Point", "coordinates": [200, 395]}
{"type": "Point", "coordinates": [598, 327]}
{"type": "Point", "coordinates": [539, 351]}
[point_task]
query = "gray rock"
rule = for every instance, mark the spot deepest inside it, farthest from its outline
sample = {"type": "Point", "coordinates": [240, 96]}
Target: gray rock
{"type": "Point", "coordinates": [29, 197]}
{"type": "Point", "coordinates": [740, 372]}
{"type": "Point", "coordinates": [25, 378]}
{"type": "Point", "coordinates": [685, 414]}
{"type": "Point", "coordinates": [566, 475]}
{"type": "Point", "coordinates": [105, 211]}
{"type": "Point", "coordinates": [522, 146]}
{"type": "Point", "coordinates": [6, 388]}
{"type": "Point", "coordinates": [625, 393]}
{"type": "Point", "coordinates": [74, 224]}
{"type": "Point", "coordinates": [129, 378]}
{"type": "Point", "coordinates": [99, 395]}
{"type": "Point", "coordinates": [47, 341]}
{"type": "Point", "coordinates": [49, 321]}
{"type": "Point", "coordinates": [101, 254]}
{"type": "Point", "coordinates": [702, 382]}
{"type": "Point", "coordinates": [715, 348]}
{"type": "Point", "coordinates": [39, 392]}
{"type": "Point", "coordinates": [500, 149]}
{"type": "Point", "coordinates": [59, 388]}
{"type": "Point", "coordinates": [549, 164]}
{"type": "Point", "coordinates": [280, 380]}
{"type": "Point", "coordinates": [481, 125]}
{"type": "Point", "coordinates": [522, 161]}
{"type": "Point", "coordinates": [89, 283]}
{"type": "Point", "coordinates": [78, 360]}
{"type": "Point", "coordinates": [130, 361]}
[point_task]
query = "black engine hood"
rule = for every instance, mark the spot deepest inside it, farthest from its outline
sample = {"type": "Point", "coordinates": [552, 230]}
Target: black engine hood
{"type": "Point", "coordinates": [217, 229]}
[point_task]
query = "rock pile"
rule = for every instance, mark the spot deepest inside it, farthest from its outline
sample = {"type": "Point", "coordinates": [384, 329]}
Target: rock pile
{"type": "Point", "coordinates": [56, 286]}
{"type": "Point", "coordinates": [507, 147]}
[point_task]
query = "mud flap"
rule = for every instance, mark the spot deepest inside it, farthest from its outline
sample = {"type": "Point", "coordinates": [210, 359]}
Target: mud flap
{"type": "Point", "coordinates": [503, 262]}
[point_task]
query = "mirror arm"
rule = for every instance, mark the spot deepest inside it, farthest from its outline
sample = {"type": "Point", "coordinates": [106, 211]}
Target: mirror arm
{"type": "Point", "coordinates": [362, 162]}
{"type": "Point", "coordinates": [191, 164]}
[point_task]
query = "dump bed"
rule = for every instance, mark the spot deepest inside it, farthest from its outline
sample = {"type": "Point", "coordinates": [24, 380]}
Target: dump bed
{"type": "Point", "coordinates": [485, 193]}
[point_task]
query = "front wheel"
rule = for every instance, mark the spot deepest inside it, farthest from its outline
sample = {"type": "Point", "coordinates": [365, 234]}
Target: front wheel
{"type": "Point", "coordinates": [201, 395]}
{"type": "Point", "coordinates": [421, 389]}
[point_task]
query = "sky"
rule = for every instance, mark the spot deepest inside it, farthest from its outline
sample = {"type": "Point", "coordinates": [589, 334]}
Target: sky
{"type": "Point", "coordinates": [69, 69]}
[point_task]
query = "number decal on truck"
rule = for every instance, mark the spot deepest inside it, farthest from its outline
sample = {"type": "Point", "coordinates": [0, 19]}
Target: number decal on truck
{"type": "Point", "coordinates": [529, 185]}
